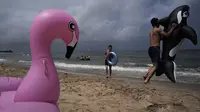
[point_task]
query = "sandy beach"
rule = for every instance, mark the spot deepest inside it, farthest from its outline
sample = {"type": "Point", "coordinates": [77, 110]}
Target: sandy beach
{"type": "Point", "coordinates": [87, 93]}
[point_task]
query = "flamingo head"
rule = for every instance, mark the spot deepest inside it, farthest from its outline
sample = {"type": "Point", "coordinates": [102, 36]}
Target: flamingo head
{"type": "Point", "coordinates": [52, 24]}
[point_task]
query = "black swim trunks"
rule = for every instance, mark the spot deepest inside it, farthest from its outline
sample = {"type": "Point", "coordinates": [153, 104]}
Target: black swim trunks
{"type": "Point", "coordinates": [106, 62]}
{"type": "Point", "coordinates": [154, 53]}
{"type": "Point", "coordinates": [109, 58]}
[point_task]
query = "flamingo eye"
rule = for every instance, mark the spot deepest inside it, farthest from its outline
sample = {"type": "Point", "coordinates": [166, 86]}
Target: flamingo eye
{"type": "Point", "coordinates": [72, 26]}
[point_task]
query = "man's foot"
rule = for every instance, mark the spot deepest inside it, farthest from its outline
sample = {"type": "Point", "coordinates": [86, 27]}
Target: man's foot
{"type": "Point", "coordinates": [144, 77]}
{"type": "Point", "coordinates": [146, 82]}
{"type": "Point", "coordinates": [108, 77]}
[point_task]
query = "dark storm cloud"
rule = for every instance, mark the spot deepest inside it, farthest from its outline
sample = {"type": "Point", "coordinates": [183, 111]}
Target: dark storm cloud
{"type": "Point", "coordinates": [100, 21]}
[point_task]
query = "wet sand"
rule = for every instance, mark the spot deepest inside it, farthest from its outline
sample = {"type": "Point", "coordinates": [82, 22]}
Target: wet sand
{"type": "Point", "coordinates": [86, 93]}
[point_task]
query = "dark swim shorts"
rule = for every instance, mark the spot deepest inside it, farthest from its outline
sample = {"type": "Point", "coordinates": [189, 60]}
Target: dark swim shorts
{"type": "Point", "coordinates": [154, 53]}
{"type": "Point", "coordinates": [106, 62]}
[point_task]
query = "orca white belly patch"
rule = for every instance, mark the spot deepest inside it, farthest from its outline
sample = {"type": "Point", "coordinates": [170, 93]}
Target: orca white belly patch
{"type": "Point", "coordinates": [174, 50]}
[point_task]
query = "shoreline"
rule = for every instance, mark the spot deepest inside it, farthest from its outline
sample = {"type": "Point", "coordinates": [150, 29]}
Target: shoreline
{"type": "Point", "coordinates": [187, 77]}
{"type": "Point", "coordinates": [139, 76]}
{"type": "Point", "coordinates": [95, 93]}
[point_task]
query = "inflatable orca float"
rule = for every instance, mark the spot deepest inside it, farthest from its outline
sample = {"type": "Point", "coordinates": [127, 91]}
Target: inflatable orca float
{"type": "Point", "coordinates": [170, 46]}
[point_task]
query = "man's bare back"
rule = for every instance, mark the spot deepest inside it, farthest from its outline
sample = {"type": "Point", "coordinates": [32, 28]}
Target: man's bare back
{"type": "Point", "coordinates": [154, 37]}
{"type": "Point", "coordinates": [156, 34]}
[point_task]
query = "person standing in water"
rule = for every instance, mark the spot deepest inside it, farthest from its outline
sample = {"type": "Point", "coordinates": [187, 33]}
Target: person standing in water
{"type": "Point", "coordinates": [154, 50]}
{"type": "Point", "coordinates": [109, 58]}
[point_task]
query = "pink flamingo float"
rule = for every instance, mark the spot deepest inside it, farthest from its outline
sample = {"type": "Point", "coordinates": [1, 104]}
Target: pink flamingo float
{"type": "Point", "coordinates": [39, 90]}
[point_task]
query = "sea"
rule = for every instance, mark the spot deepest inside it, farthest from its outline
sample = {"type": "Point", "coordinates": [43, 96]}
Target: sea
{"type": "Point", "coordinates": [131, 64]}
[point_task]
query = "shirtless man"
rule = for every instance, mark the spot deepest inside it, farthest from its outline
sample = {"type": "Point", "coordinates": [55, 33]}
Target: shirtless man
{"type": "Point", "coordinates": [154, 50]}
{"type": "Point", "coordinates": [106, 63]}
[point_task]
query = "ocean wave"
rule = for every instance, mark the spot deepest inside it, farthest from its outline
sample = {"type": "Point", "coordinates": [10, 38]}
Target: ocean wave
{"type": "Point", "coordinates": [2, 60]}
{"type": "Point", "coordinates": [188, 74]}
{"type": "Point", "coordinates": [62, 65]}
{"type": "Point", "coordinates": [152, 65]}
{"type": "Point", "coordinates": [84, 66]}
{"type": "Point", "coordinates": [149, 65]}
{"type": "Point", "coordinates": [25, 54]}
{"type": "Point", "coordinates": [143, 65]}
{"type": "Point", "coordinates": [137, 64]}
{"type": "Point", "coordinates": [22, 61]}
{"type": "Point", "coordinates": [130, 63]}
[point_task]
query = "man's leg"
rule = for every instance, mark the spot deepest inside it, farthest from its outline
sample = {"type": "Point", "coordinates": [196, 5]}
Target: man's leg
{"type": "Point", "coordinates": [147, 72]}
{"type": "Point", "coordinates": [106, 65]}
{"type": "Point", "coordinates": [154, 54]}
{"type": "Point", "coordinates": [106, 69]}
{"type": "Point", "coordinates": [110, 68]}
{"type": "Point", "coordinates": [150, 74]}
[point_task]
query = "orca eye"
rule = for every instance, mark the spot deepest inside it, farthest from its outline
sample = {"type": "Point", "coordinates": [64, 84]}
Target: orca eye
{"type": "Point", "coordinates": [185, 14]}
{"type": "Point", "coordinates": [72, 26]}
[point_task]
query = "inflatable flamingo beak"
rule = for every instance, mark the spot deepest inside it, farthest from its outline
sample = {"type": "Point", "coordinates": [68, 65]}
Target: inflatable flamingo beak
{"type": "Point", "coordinates": [189, 33]}
{"type": "Point", "coordinates": [70, 50]}
{"type": "Point", "coordinates": [71, 46]}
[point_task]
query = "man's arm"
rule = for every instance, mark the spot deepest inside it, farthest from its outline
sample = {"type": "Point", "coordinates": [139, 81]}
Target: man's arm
{"type": "Point", "coordinates": [170, 31]}
{"type": "Point", "coordinates": [105, 54]}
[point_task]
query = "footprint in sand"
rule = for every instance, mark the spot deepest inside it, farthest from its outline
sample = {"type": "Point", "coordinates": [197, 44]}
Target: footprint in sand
{"type": "Point", "coordinates": [166, 108]}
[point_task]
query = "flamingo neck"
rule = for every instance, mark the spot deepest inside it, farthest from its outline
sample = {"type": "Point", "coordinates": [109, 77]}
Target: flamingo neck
{"type": "Point", "coordinates": [40, 48]}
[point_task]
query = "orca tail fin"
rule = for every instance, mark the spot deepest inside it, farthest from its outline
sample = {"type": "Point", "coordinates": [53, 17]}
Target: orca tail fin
{"type": "Point", "coordinates": [170, 70]}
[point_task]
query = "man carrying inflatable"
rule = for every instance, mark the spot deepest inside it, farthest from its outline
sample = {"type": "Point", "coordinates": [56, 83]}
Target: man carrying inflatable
{"type": "Point", "coordinates": [106, 62]}
{"type": "Point", "coordinates": [154, 50]}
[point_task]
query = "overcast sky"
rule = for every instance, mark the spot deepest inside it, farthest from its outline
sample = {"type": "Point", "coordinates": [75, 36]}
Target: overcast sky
{"type": "Point", "coordinates": [122, 23]}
